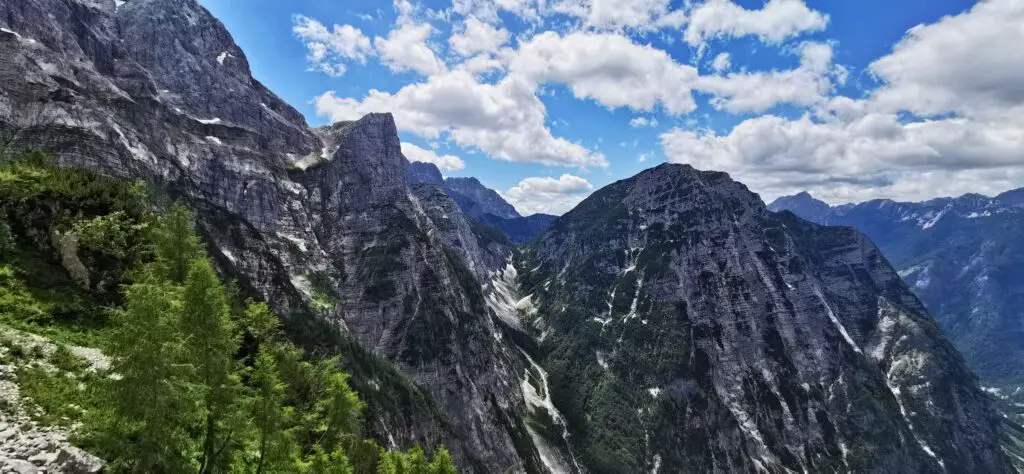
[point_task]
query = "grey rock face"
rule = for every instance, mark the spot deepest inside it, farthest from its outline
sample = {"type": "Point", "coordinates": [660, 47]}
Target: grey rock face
{"type": "Point", "coordinates": [963, 257]}
{"type": "Point", "coordinates": [687, 328]}
{"type": "Point", "coordinates": [478, 200]}
{"type": "Point", "coordinates": [320, 223]}
{"type": "Point", "coordinates": [424, 173]}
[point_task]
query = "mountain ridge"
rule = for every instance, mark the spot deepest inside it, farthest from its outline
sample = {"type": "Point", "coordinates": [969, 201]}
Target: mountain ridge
{"type": "Point", "coordinates": [678, 265]}
{"type": "Point", "coordinates": [460, 329]}
{"type": "Point", "coordinates": [959, 255]}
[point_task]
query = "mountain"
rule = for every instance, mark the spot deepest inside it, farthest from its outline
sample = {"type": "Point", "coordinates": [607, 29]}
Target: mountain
{"type": "Point", "coordinates": [963, 257]}
{"type": "Point", "coordinates": [320, 223]}
{"type": "Point", "coordinates": [1013, 197]}
{"type": "Point", "coordinates": [424, 173]}
{"type": "Point", "coordinates": [478, 200]}
{"type": "Point", "coordinates": [483, 204]}
{"type": "Point", "coordinates": [684, 327]}
{"type": "Point", "coordinates": [668, 323]}
{"type": "Point", "coordinates": [520, 230]}
{"type": "Point", "coordinates": [803, 205]}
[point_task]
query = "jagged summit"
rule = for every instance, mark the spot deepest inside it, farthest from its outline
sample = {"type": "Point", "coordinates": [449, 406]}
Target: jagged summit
{"type": "Point", "coordinates": [683, 325]}
{"type": "Point", "coordinates": [478, 200]}
{"type": "Point", "coordinates": [761, 341]}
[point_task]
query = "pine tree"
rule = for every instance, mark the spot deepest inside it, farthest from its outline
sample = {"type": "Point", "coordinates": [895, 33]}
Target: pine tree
{"type": "Point", "coordinates": [276, 449]}
{"type": "Point", "coordinates": [177, 246]}
{"type": "Point", "coordinates": [210, 345]}
{"type": "Point", "coordinates": [152, 404]}
{"type": "Point", "coordinates": [442, 463]}
{"type": "Point", "coordinates": [338, 407]}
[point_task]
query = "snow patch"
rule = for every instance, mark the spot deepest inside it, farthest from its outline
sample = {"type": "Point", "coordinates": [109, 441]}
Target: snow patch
{"type": "Point", "coordinates": [300, 243]}
{"type": "Point", "coordinates": [541, 400]}
{"type": "Point", "coordinates": [654, 391]}
{"type": "Point", "coordinates": [935, 220]}
{"type": "Point", "coordinates": [506, 300]}
{"type": "Point", "coordinates": [222, 56]}
{"type": "Point", "coordinates": [836, 322]}
{"type": "Point", "coordinates": [212, 121]}
{"type": "Point", "coordinates": [214, 140]}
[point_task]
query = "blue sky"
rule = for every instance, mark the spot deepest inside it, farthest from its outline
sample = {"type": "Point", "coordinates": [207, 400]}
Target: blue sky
{"type": "Point", "coordinates": [850, 100]}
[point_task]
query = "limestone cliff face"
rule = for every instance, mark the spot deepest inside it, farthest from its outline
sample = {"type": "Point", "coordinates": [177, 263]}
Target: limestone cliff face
{"type": "Point", "coordinates": [692, 329]}
{"type": "Point", "coordinates": [320, 223]}
{"type": "Point", "coordinates": [668, 323]}
{"type": "Point", "coordinates": [964, 257]}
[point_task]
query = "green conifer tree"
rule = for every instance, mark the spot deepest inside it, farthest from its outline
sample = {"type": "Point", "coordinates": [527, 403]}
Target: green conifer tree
{"type": "Point", "coordinates": [177, 246]}
{"type": "Point", "coordinates": [151, 403]}
{"type": "Point", "coordinates": [210, 345]}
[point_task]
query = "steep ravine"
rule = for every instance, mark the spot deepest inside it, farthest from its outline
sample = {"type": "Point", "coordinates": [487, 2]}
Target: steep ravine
{"type": "Point", "coordinates": [668, 323]}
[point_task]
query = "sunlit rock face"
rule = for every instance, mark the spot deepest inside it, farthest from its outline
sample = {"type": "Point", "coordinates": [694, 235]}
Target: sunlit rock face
{"type": "Point", "coordinates": [319, 222]}
{"type": "Point", "coordinates": [687, 328]}
{"type": "Point", "coordinates": [668, 323]}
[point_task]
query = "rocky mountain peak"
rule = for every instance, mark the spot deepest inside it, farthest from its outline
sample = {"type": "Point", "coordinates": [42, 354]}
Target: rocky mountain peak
{"type": "Point", "coordinates": [424, 173]}
{"type": "Point", "coordinates": [367, 160]}
{"type": "Point", "coordinates": [802, 201]}
{"type": "Point", "coordinates": [477, 200]}
{"type": "Point", "coordinates": [1013, 197]}
{"type": "Point", "coordinates": [695, 307]}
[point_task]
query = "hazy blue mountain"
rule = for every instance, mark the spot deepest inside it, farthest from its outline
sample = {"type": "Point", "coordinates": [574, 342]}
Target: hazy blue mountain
{"type": "Point", "coordinates": [964, 257]}
{"type": "Point", "coordinates": [483, 204]}
{"type": "Point", "coordinates": [1013, 197]}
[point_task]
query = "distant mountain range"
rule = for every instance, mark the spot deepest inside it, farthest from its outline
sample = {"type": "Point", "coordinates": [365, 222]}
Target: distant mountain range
{"type": "Point", "coordinates": [668, 323]}
{"type": "Point", "coordinates": [481, 203]}
{"type": "Point", "coordinates": [964, 257]}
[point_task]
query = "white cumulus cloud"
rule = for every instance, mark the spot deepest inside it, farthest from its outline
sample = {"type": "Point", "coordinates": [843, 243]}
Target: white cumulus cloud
{"type": "Point", "coordinates": [971, 63]}
{"type": "Point", "coordinates": [722, 62]}
{"type": "Point", "coordinates": [548, 195]}
{"type": "Point", "coordinates": [809, 84]}
{"type": "Point", "coordinates": [609, 68]}
{"type": "Point", "coordinates": [639, 122]}
{"type": "Point", "coordinates": [406, 48]}
{"type": "Point", "coordinates": [444, 162]}
{"type": "Point", "coordinates": [477, 37]}
{"type": "Point", "coordinates": [506, 120]}
{"type": "Point", "coordinates": [776, 21]}
{"type": "Point", "coordinates": [328, 49]}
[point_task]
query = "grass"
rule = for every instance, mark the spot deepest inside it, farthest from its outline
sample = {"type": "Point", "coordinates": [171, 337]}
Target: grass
{"type": "Point", "coordinates": [62, 397]}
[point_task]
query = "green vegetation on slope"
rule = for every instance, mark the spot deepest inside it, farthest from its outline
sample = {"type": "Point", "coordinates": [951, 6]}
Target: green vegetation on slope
{"type": "Point", "coordinates": [196, 383]}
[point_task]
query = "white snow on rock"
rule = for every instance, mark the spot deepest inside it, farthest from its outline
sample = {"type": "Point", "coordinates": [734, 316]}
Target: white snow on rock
{"type": "Point", "coordinates": [539, 398]}
{"type": "Point", "coordinates": [836, 322]}
{"type": "Point", "coordinates": [212, 121]}
{"type": "Point", "coordinates": [505, 299]}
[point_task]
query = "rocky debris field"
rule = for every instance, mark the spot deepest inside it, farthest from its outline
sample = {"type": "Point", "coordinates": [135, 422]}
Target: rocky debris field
{"type": "Point", "coordinates": [27, 446]}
